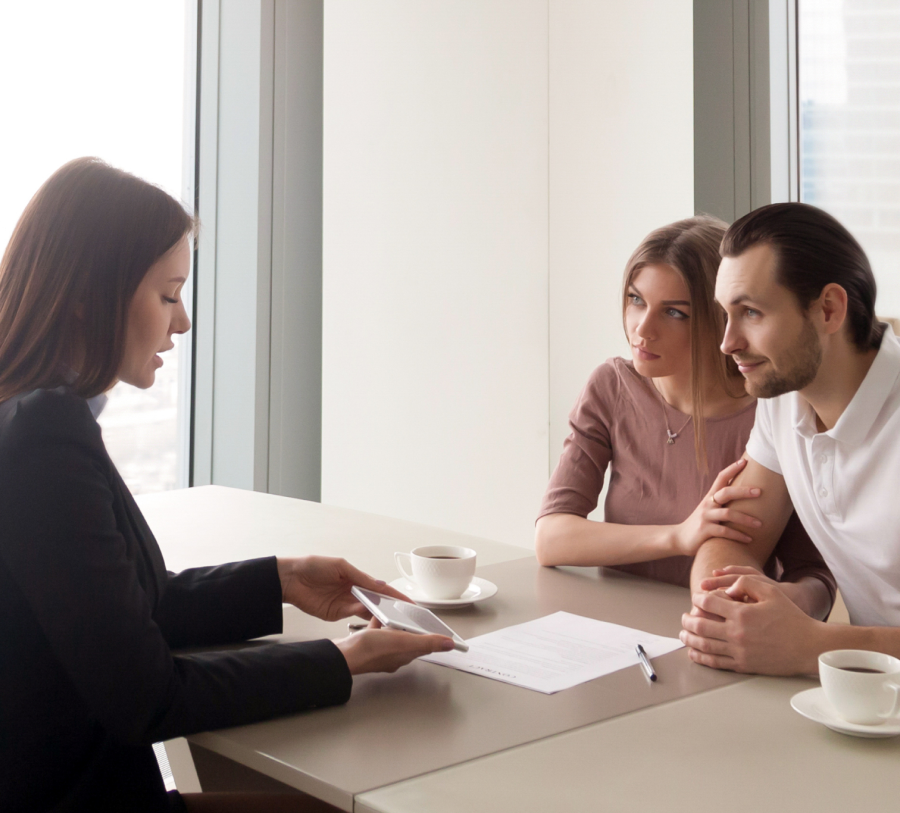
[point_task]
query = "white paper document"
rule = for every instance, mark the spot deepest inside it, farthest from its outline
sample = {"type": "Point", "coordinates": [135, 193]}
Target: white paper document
{"type": "Point", "coordinates": [555, 652]}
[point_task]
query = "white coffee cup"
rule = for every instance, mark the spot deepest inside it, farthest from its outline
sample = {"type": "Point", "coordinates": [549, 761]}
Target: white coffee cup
{"type": "Point", "coordinates": [439, 571]}
{"type": "Point", "coordinates": [862, 686]}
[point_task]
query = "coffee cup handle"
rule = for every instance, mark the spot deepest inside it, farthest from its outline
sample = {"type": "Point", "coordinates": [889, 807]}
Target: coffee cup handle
{"type": "Point", "coordinates": [398, 560]}
{"type": "Point", "coordinates": [896, 709]}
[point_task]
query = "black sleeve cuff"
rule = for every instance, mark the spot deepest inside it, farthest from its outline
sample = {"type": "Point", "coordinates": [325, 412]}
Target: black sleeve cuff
{"type": "Point", "coordinates": [229, 688]}
{"type": "Point", "coordinates": [331, 682]}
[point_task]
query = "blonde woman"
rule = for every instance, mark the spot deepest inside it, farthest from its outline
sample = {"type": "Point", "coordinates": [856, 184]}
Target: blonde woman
{"type": "Point", "coordinates": [669, 425]}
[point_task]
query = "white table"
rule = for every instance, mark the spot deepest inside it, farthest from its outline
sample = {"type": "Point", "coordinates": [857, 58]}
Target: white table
{"type": "Point", "coordinates": [736, 745]}
{"type": "Point", "coordinates": [212, 525]}
{"type": "Point", "coordinates": [740, 748]}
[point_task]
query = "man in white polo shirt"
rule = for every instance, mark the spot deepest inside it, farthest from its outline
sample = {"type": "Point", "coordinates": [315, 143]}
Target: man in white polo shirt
{"type": "Point", "coordinates": [799, 296]}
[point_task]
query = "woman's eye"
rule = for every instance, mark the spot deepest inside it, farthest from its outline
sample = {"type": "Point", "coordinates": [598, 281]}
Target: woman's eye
{"type": "Point", "coordinates": [634, 299]}
{"type": "Point", "coordinates": [170, 300]}
{"type": "Point", "coordinates": [676, 314]}
{"type": "Point", "coordinates": [751, 312]}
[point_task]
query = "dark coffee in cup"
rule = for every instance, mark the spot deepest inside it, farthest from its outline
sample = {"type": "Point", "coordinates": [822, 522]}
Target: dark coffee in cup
{"type": "Point", "coordinates": [439, 572]}
{"type": "Point", "coordinates": [863, 669]}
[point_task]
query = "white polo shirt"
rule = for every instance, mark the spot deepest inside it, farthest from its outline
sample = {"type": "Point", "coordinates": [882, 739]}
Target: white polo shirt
{"type": "Point", "coordinates": [844, 483]}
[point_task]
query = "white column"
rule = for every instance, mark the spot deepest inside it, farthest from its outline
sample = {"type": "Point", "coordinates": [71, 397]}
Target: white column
{"type": "Point", "coordinates": [234, 254]}
{"type": "Point", "coordinates": [295, 409]}
{"type": "Point", "coordinates": [435, 379]}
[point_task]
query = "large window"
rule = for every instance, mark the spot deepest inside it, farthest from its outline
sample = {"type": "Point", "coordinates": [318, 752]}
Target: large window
{"type": "Point", "coordinates": [104, 78]}
{"type": "Point", "coordinates": [849, 64]}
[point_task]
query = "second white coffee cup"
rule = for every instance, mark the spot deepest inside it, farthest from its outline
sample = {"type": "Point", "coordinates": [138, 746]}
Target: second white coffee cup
{"type": "Point", "coordinates": [440, 571]}
{"type": "Point", "coordinates": [862, 686]}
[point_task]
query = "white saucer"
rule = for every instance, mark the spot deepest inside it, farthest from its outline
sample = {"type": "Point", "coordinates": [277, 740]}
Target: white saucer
{"type": "Point", "coordinates": [478, 590]}
{"type": "Point", "coordinates": [813, 705]}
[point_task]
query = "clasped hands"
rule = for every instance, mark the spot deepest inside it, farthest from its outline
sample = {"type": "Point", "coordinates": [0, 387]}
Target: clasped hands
{"type": "Point", "coordinates": [741, 620]}
{"type": "Point", "coordinates": [744, 621]}
{"type": "Point", "coordinates": [320, 586]}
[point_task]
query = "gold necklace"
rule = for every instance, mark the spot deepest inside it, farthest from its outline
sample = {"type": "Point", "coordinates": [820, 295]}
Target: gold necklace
{"type": "Point", "coordinates": [670, 435]}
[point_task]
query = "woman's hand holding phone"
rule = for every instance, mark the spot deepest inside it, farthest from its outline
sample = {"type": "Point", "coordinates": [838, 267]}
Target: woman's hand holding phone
{"type": "Point", "coordinates": [383, 650]}
{"type": "Point", "coordinates": [321, 585]}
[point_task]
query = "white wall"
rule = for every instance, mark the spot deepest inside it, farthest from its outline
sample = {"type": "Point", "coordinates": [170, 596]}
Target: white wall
{"type": "Point", "coordinates": [621, 164]}
{"type": "Point", "coordinates": [435, 381]}
{"type": "Point", "coordinates": [488, 167]}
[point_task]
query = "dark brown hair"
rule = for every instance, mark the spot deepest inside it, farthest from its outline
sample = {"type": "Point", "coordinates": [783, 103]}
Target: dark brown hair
{"type": "Point", "coordinates": [73, 263]}
{"type": "Point", "coordinates": [691, 247]}
{"type": "Point", "coordinates": [812, 249]}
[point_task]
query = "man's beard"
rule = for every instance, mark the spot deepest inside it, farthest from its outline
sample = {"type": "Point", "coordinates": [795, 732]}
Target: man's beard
{"type": "Point", "coordinates": [806, 360]}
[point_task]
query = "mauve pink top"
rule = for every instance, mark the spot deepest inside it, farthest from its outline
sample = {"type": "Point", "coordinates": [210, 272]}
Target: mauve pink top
{"type": "Point", "coordinates": [619, 422]}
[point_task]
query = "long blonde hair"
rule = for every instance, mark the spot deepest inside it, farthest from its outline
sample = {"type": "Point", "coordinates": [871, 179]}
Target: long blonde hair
{"type": "Point", "coordinates": [691, 247]}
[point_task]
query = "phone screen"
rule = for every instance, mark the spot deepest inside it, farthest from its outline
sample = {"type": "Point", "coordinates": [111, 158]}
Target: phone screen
{"type": "Point", "coordinates": [388, 609]}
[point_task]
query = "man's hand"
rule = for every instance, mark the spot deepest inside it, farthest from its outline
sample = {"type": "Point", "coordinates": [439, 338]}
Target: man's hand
{"type": "Point", "coordinates": [723, 578]}
{"type": "Point", "coordinates": [809, 593]}
{"type": "Point", "coordinates": [381, 650]}
{"type": "Point", "coordinates": [320, 586]}
{"type": "Point", "coordinates": [762, 631]}
{"type": "Point", "coordinates": [707, 519]}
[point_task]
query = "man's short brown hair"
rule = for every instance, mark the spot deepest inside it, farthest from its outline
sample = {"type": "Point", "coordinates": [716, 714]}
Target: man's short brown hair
{"type": "Point", "coordinates": [812, 250]}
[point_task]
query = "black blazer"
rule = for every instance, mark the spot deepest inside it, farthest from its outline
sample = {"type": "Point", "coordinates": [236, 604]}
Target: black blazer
{"type": "Point", "coordinates": [88, 618]}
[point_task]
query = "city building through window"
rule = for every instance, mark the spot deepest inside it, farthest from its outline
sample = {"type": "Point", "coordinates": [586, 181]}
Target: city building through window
{"type": "Point", "coordinates": [103, 78]}
{"type": "Point", "coordinates": [849, 65]}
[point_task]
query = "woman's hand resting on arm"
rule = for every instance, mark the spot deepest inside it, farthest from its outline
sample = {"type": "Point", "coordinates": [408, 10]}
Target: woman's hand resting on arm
{"type": "Point", "coordinates": [708, 518]}
{"type": "Point", "coordinates": [320, 586]}
{"type": "Point", "coordinates": [567, 539]}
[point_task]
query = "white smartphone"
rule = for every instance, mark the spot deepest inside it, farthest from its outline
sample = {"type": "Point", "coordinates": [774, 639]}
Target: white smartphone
{"type": "Point", "coordinates": [401, 615]}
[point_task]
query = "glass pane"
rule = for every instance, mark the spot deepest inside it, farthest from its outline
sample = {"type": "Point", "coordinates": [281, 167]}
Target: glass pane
{"type": "Point", "coordinates": [849, 58]}
{"type": "Point", "coordinates": [104, 78]}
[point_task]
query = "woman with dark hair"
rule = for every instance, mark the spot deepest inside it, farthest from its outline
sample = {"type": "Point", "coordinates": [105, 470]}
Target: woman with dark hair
{"type": "Point", "coordinates": [90, 294]}
{"type": "Point", "coordinates": [664, 423]}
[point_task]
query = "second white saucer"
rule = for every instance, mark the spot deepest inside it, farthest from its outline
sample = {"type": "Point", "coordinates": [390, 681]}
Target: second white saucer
{"type": "Point", "coordinates": [813, 705]}
{"type": "Point", "coordinates": [478, 590]}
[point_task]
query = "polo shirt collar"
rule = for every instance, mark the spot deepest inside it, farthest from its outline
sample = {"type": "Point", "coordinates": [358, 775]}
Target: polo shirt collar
{"type": "Point", "coordinates": [803, 416]}
{"type": "Point", "coordinates": [857, 419]}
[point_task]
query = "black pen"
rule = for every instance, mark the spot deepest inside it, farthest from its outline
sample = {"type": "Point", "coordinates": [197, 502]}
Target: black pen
{"type": "Point", "coordinates": [645, 662]}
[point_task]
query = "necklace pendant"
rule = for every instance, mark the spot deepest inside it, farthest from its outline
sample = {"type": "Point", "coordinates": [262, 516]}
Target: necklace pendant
{"type": "Point", "coordinates": [672, 435]}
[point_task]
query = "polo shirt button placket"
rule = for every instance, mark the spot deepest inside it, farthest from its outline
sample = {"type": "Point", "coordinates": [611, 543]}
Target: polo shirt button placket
{"type": "Point", "coordinates": [823, 473]}
{"type": "Point", "coordinates": [829, 502]}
